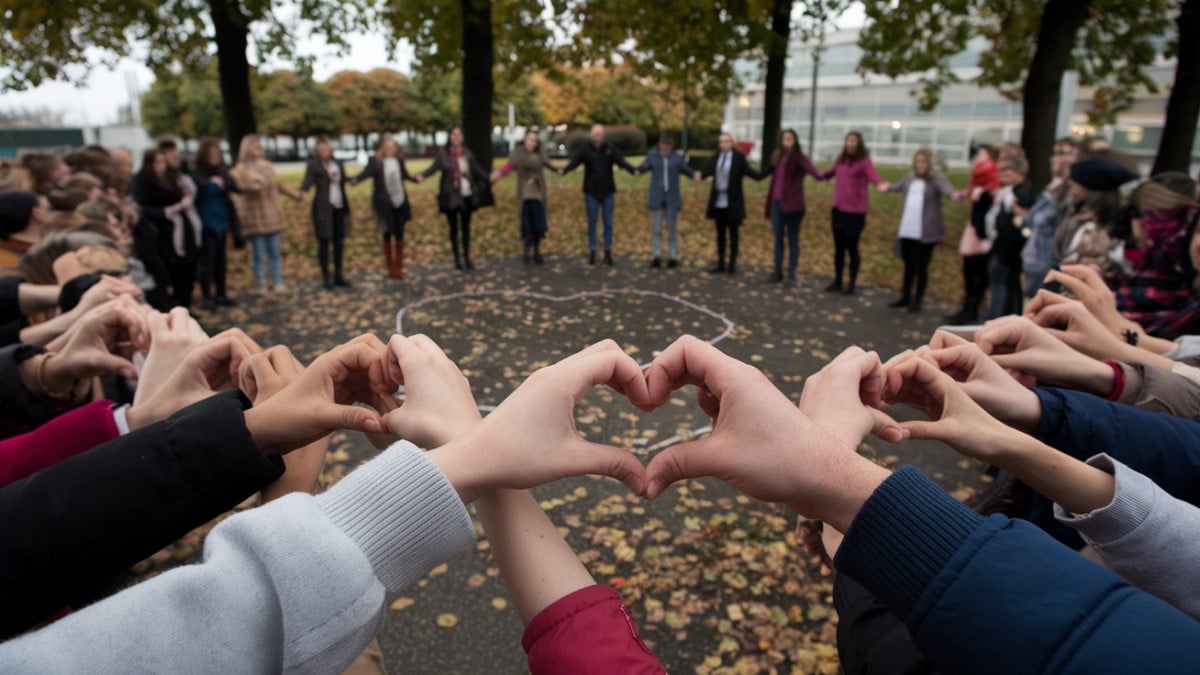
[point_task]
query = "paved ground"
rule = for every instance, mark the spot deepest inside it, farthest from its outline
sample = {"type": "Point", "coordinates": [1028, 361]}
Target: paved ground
{"type": "Point", "coordinates": [714, 580]}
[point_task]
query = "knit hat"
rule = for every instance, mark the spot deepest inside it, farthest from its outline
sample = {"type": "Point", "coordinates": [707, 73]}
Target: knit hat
{"type": "Point", "coordinates": [1167, 191]}
{"type": "Point", "coordinates": [1102, 175]}
{"type": "Point", "coordinates": [16, 208]}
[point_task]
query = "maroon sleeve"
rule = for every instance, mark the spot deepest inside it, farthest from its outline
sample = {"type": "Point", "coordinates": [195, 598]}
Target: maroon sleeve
{"type": "Point", "coordinates": [589, 631]}
{"type": "Point", "coordinates": [64, 436]}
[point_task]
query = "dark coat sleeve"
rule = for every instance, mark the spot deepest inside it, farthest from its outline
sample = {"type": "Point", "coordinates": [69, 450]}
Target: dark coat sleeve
{"type": "Point", "coordinates": [71, 526]}
{"type": "Point", "coordinates": [997, 595]}
{"type": "Point", "coordinates": [20, 409]}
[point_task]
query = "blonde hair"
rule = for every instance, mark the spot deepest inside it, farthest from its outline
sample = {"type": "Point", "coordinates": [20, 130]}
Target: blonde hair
{"type": "Point", "coordinates": [928, 155]}
{"type": "Point", "coordinates": [244, 148]}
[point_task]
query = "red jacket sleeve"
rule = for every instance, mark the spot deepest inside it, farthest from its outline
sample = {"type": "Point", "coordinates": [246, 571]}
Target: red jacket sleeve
{"type": "Point", "coordinates": [64, 436]}
{"type": "Point", "coordinates": [589, 631]}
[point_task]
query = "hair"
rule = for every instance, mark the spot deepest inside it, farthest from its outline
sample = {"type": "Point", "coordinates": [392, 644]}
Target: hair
{"type": "Point", "coordinates": [149, 155]}
{"type": "Point", "coordinates": [13, 176]}
{"type": "Point", "coordinates": [860, 153]}
{"type": "Point", "coordinates": [94, 160]}
{"type": "Point", "coordinates": [82, 182]}
{"type": "Point", "coordinates": [928, 155]}
{"type": "Point", "coordinates": [536, 137]}
{"type": "Point", "coordinates": [382, 143]}
{"type": "Point", "coordinates": [244, 148]}
{"type": "Point", "coordinates": [1103, 205]}
{"type": "Point", "coordinates": [166, 143]}
{"type": "Point", "coordinates": [66, 200]}
{"type": "Point", "coordinates": [41, 166]}
{"type": "Point", "coordinates": [98, 210]}
{"type": "Point", "coordinates": [666, 138]}
{"type": "Point", "coordinates": [780, 155]}
{"type": "Point", "coordinates": [203, 166]}
{"type": "Point", "coordinates": [1009, 150]}
{"type": "Point", "coordinates": [984, 147]}
{"type": "Point", "coordinates": [450, 132]}
{"type": "Point", "coordinates": [1017, 164]}
{"type": "Point", "coordinates": [1068, 140]}
{"type": "Point", "coordinates": [37, 264]}
{"type": "Point", "coordinates": [322, 140]}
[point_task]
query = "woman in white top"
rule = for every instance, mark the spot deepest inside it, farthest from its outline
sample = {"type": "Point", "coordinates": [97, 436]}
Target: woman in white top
{"type": "Point", "coordinates": [463, 182]}
{"type": "Point", "coordinates": [389, 200]}
{"type": "Point", "coordinates": [921, 225]}
{"type": "Point", "coordinates": [330, 209]}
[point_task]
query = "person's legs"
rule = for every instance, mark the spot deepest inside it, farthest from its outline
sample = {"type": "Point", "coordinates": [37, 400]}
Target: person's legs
{"type": "Point", "coordinates": [323, 260]}
{"type": "Point", "coordinates": [839, 255]}
{"type": "Point", "coordinates": [208, 253]}
{"type": "Point", "coordinates": [997, 286]}
{"type": "Point", "coordinates": [777, 229]}
{"type": "Point", "coordinates": [275, 257]}
{"type": "Point", "coordinates": [538, 210]}
{"type": "Point", "coordinates": [722, 226]}
{"type": "Point", "coordinates": [923, 253]}
{"type": "Point", "coordinates": [734, 227]}
{"type": "Point", "coordinates": [339, 240]}
{"type": "Point", "coordinates": [870, 638]}
{"type": "Point", "coordinates": [183, 279]}
{"type": "Point", "coordinates": [907, 254]}
{"type": "Point", "coordinates": [793, 221]}
{"type": "Point", "coordinates": [527, 237]}
{"type": "Point", "coordinates": [607, 208]}
{"type": "Point", "coordinates": [672, 236]}
{"type": "Point", "coordinates": [593, 212]}
{"type": "Point", "coordinates": [452, 221]}
{"type": "Point", "coordinates": [1014, 292]}
{"type": "Point", "coordinates": [220, 264]}
{"type": "Point", "coordinates": [977, 282]}
{"type": "Point", "coordinates": [258, 257]}
{"type": "Point", "coordinates": [466, 239]}
{"type": "Point", "coordinates": [656, 229]}
{"type": "Point", "coordinates": [852, 237]}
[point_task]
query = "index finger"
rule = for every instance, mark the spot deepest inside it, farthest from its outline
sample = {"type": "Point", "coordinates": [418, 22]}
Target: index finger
{"type": "Point", "coordinates": [611, 367]}
{"type": "Point", "coordinates": [1076, 286]}
{"type": "Point", "coordinates": [942, 338]}
{"type": "Point", "coordinates": [1086, 274]}
{"type": "Point", "coordinates": [690, 360]}
{"type": "Point", "coordinates": [1044, 298]}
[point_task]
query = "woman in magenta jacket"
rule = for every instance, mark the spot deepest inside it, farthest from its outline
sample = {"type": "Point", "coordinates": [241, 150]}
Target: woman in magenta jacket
{"type": "Point", "coordinates": [852, 173]}
{"type": "Point", "coordinates": [785, 200]}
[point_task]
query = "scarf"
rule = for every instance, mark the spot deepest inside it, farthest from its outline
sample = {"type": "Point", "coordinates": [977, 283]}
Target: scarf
{"type": "Point", "coordinates": [455, 155]}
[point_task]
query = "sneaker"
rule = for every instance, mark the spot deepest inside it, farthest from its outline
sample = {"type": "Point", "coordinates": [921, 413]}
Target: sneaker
{"type": "Point", "coordinates": [656, 263]}
{"type": "Point", "coordinates": [526, 259]}
{"type": "Point", "coordinates": [672, 264]}
{"type": "Point", "coordinates": [849, 290]}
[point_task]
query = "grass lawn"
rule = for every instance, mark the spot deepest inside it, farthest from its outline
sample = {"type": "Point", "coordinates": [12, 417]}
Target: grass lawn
{"type": "Point", "coordinates": [495, 230]}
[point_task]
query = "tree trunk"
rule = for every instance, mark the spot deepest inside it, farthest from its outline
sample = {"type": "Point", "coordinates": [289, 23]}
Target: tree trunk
{"type": "Point", "coordinates": [233, 70]}
{"type": "Point", "coordinates": [1183, 105]}
{"type": "Point", "coordinates": [477, 87]}
{"type": "Point", "coordinates": [781, 29]}
{"type": "Point", "coordinates": [1060, 24]}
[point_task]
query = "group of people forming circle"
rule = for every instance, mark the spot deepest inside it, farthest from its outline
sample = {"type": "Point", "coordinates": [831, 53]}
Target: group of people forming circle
{"type": "Point", "coordinates": [465, 186]}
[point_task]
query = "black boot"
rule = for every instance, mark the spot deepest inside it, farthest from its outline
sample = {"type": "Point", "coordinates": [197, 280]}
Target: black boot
{"type": "Point", "coordinates": [537, 253]}
{"type": "Point", "coordinates": [608, 257]}
{"type": "Point", "coordinates": [327, 280]}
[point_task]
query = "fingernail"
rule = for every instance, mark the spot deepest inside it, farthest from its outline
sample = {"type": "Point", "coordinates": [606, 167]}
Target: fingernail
{"type": "Point", "coordinates": [372, 426]}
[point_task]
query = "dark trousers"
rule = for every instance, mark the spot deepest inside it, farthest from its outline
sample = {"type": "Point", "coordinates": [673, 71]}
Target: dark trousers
{"type": "Point", "coordinates": [455, 218]}
{"type": "Point", "coordinates": [916, 268]}
{"type": "Point", "coordinates": [786, 225]}
{"type": "Point", "coordinates": [212, 262]}
{"type": "Point", "coordinates": [1004, 273]}
{"type": "Point", "coordinates": [726, 226]}
{"type": "Point", "coordinates": [847, 229]}
{"type": "Point", "coordinates": [975, 282]}
{"type": "Point", "coordinates": [183, 279]}
{"type": "Point", "coordinates": [338, 238]}
{"type": "Point", "coordinates": [533, 222]}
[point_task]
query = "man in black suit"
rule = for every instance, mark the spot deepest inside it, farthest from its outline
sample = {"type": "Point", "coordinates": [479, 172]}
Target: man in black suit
{"type": "Point", "coordinates": [726, 202]}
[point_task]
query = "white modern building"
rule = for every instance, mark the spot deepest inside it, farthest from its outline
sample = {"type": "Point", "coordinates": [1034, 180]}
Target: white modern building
{"type": "Point", "coordinates": [887, 114]}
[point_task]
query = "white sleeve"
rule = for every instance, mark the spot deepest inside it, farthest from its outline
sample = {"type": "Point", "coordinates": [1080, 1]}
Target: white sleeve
{"type": "Point", "coordinates": [297, 585]}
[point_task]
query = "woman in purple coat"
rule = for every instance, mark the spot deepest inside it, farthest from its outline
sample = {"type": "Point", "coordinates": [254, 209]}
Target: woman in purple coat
{"type": "Point", "coordinates": [852, 173]}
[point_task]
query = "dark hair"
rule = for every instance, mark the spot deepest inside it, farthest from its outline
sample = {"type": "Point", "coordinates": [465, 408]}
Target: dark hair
{"type": "Point", "coordinates": [147, 168]}
{"type": "Point", "coordinates": [991, 151]}
{"type": "Point", "coordinates": [666, 138]}
{"type": "Point", "coordinates": [538, 138]}
{"type": "Point", "coordinates": [1068, 140]}
{"type": "Point", "coordinates": [1103, 206]}
{"type": "Point", "coordinates": [792, 157]}
{"type": "Point", "coordinates": [166, 143]}
{"type": "Point", "coordinates": [860, 153]}
{"type": "Point", "coordinates": [203, 166]}
{"type": "Point", "coordinates": [40, 166]}
{"type": "Point", "coordinates": [450, 132]}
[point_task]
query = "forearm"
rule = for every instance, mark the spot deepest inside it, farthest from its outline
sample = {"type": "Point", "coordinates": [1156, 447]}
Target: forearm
{"type": "Point", "coordinates": [1063, 479]}
{"type": "Point", "coordinates": [42, 333]}
{"type": "Point", "coordinates": [36, 298]}
{"type": "Point", "coordinates": [302, 471]}
{"type": "Point", "coordinates": [538, 566]}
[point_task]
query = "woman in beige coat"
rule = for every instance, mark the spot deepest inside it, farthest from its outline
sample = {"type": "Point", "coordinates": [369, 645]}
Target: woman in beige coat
{"type": "Point", "coordinates": [530, 162]}
{"type": "Point", "coordinates": [260, 211]}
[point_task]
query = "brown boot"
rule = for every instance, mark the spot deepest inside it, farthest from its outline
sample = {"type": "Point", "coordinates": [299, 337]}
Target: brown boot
{"type": "Point", "coordinates": [399, 273]}
{"type": "Point", "coordinates": [388, 256]}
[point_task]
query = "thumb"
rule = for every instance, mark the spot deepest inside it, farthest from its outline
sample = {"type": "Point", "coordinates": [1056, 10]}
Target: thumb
{"type": "Point", "coordinates": [921, 429]}
{"type": "Point", "coordinates": [103, 363]}
{"type": "Point", "coordinates": [686, 460]}
{"type": "Point", "coordinates": [886, 428]}
{"type": "Point", "coordinates": [356, 418]}
{"type": "Point", "coordinates": [605, 460]}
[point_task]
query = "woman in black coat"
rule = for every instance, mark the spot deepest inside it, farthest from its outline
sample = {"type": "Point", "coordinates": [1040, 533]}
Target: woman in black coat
{"type": "Point", "coordinates": [463, 180]}
{"type": "Point", "coordinates": [218, 218]}
{"type": "Point", "coordinates": [330, 209]}
{"type": "Point", "coordinates": [165, 205]}
{"type": "Point", "coordinates": [389, 200]}
{"type": "Point", "coordinates": [726, 201]}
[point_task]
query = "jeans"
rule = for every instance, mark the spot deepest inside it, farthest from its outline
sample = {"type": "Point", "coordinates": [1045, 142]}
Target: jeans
{"type": "Point", "coordinates": [1004, 284]}
{"type": "Point", "coordinates": [533, 222]}
{"type": "Point", "coordinates": [594, 206]}
{"type": "Point", "coordinates": [212, 262]}
{"type": "Point", "coordinates": [916, 257]}
{"type": "Point", "coordinates": [264, 247]}
{"type": "Point", "coordinates": [339, 236]}
{"type": "Point", "coordinates": [788, 223]}
{"type": "Point", "coordinates": [656, 217]}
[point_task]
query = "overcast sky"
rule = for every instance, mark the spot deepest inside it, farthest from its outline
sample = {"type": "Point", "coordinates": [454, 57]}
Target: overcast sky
{"type": "Point", "coordinates": [105, 90]}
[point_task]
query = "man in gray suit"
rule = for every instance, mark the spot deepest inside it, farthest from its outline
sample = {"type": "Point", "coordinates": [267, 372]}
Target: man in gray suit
{"type": "Point", "coordinates": [664, 201]}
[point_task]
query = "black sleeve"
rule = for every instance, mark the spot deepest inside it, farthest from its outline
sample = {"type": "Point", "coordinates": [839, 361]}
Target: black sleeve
{"type": "Point", "coordinates": [10, 298]}
{"type": "Point", "coordinates": [20, 409]}
{"type": "Point", "coordinates": [72, 525]}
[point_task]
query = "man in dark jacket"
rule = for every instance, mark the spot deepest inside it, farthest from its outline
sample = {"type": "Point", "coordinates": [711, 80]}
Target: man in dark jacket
{"type": "Point", "coordinates": [726, 202]}
{"type": "Point", "coordinates": [598, 158]}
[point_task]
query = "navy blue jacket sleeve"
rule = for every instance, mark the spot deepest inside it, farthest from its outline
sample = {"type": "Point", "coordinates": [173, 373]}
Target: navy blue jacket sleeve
{"type": "Point", "coordinates": [998, 595]}
{"type": "Point", "coordinates": [1162, 447]}
{"type": "Point", "coordinates": [70, 527]}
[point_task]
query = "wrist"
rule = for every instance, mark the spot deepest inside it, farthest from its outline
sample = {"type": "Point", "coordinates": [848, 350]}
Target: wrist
{"type": "Point", "coordinates": [850, 481]}
{"type": "Point", "coordinates": [54, 379]}
{"type": "Point", "coordinates": [1097, 378]}
{"type": "Point", "coordinates": [453, 460]}
{"type": "Point", "coordinates": [1024, 413]}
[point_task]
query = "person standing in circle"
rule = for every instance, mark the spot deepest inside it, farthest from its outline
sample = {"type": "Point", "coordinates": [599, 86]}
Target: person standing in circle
{"type": "Point", "coordinates": [726, 200]}
{"type": "Point", "coordinates": [663, 199]}
{"type": "Point", "coordinates": [261, 213]}
{"type": "Point", "coordinates": [785, 201]}
{"type": "Point", "coordinates": [530, 162]}
{"type": "Point", "coordinates": [389, 200]}
{"type": "Point", "coordinates": [218, 219]}
{"type": "Point", "coordinates": [921, 225]}
{"type": "Point", "coordinates": [852, 172]}
{"type": "Point", "coordinates": [599, 187]}
{"type": "Point", "coordinates": [460, 171]}
{"type": "Point", "coordinates": [330, 209]}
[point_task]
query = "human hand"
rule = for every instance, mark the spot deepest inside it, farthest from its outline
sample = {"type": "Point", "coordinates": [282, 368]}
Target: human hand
{"type": "Point", "coordinates": [1071, 322]}
{"type": "Point", "coordinates": [531, 437]}
{"type": "Point", "coordinates": [101, 342]}
{"type": "Point", "coordinates": [981, 378]}
{"type": "Point", "coordinates": [954, 417]}
{"type": "Point", "coordinates": [420, 178]}
{"type": "Point", "coordinates": [845, 398]}
{"type": "Point", "coordinates": [761, 443]}
{"type": "Point", "coordinates": [107, 288]}
{"type": "Point", "coordinates": [1086, 284]}
{"type": "Point", "coordinates": [218, 181]}
{"type": "Point", "coordinates": [884, 186]}
{"type": "Point", "coordinates": [697, 176]}
{"type": "Point", "coordinates": [172, 337]}
{"type": "Point", "coordinates": [438, 406]}
{"type": "Point", "coordinates": [1018, 344]}
{"type": "Point", "coordinates": [321, 400]}
{"type": "Point", "coordinates": [205, 370]}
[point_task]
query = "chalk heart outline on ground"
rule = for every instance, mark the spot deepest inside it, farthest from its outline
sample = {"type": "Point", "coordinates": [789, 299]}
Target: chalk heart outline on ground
{"type": "Point", "coordinates": [583, 296]}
